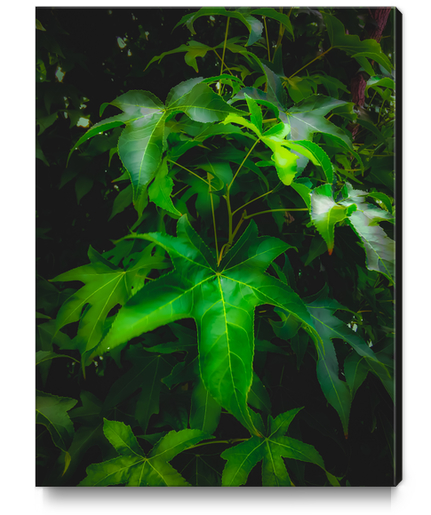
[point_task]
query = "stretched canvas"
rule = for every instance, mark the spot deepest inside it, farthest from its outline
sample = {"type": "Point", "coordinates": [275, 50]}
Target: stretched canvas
{"type": "Point", "coordinates": [218, 202]}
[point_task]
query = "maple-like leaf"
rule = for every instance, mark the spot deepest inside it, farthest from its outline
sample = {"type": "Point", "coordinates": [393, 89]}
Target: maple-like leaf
{"type": "Point", "coordinates": [106, 285]}
{"type": "Point", "coordinates": [143, 140]}
{"type": "Point", "coordinates": [132, 467]}
{"type": "Point", "coordinates": [270, 449]}
{"type": "Point", "coordinates": [221, 299]}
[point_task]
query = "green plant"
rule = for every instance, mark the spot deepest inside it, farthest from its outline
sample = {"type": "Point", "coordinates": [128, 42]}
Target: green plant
{"type": "Point", "coordinates": [261, 226]}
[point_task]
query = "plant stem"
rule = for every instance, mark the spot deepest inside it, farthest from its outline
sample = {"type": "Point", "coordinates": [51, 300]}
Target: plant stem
{"type": "Point", "coordinates": [240, 166]}
{"type": "Point", "coordinates": [249, 202]}
{"type": "Point", "coordinates": [280, 34]}
{"type": "Point", "coordinates": [187, 170]}
{"type": "Point", "coordinates": [233, 440]}
{"type": "Point", "coordinates": [229, 212]}
{"type": "Point", "coordinates": [226, 68]}
{"type": "Point", "coordinates": [222, 59]}
{"type": "Point", "coordinates": [275, 210]}
{"type": "Point", "coordinates": [312, 61]}
{"type": "Point", "coordinates": [179, 191]}
{"type": "Point", "coordinates": [267, 42]}
{"type": "Point", "coordinates": [239, 224]}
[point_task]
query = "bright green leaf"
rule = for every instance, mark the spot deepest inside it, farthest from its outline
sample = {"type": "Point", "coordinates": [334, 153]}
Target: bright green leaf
{"type": "Point", "coordinates": [325, 213]}
{"type": "Point", "coordinates": [106, 285]}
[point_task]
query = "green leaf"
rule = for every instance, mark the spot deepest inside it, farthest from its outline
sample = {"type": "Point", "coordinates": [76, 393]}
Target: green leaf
{"type": "Point", "coordinates": [253, 25]}
{"type": "Point", "coordinates": [355, 371]}
{"type": "Point", "coordinates": [122, 201]}
{"type": "Point", "coordinates": [42, 356]}
{"type": "Point", "coordinates": [340, 143]}
{"type": "Point", "coordinates": [379, 248]}
{"type": "Point", "coordinates": [325, 213]}
{"type": "Point", "coordinates": [146, 374]}
{"type": "Point", "coordinates": [83, 185]}
{"type": "Point", "coordinates": [275, 15]}
{"type": "Point", "coordinates": [338, 393]}
{"type": "Point", "coordinates": [308, 118]}
{"type": "Point", "coordinates": [45, 122]}
{"type": "Point", "coordinates": [373, 82]}
{"type": "Point", "coordinates": [258, 396]}
{"type": "Point", "coordinates": [221, 300]}
{"type": "Point", "coordinates": [276, 91]}
{"type": "Point", "coordinates": [142, 142]}
{"type": "Point", "coordinates": [317, 248]}
{"type": "Point", "coordinates": [132, 467]}
{"type": "Point", "coordinates": [270, 449]}
{"type": "Point", "coordinates": [300, 88]}
{"type": "Point", "coordinates": [315, 153]}
{"type": "Point", "coordinates": [193, 50]}
{"type": "Point", "coordinates": [106, 285]}
{"type": "Point", "coordinates": [284, 160]}
{"type": "Point", "coordinates": [256, 117]}
{"type": "Point", "coordinates": [205, 411]}
{"type": "Point", "coordinates": [51, 411]}
{"type": "Point", "coordinates": [160, 190]}
{"type": "Point", "coordinates": [352, 44]}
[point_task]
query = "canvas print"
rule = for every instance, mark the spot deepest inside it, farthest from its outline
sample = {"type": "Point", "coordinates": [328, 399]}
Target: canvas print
{"type": "Point", "coordinates": [217, 289]}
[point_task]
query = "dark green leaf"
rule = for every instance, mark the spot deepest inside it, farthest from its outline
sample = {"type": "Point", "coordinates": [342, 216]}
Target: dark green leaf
{"type": "Point", "coordinates": [132, 467]}
{"type": "Point", "coordinates": [308, 118]}
{"type": "Point", "coordinates": [51, 411]}
{"type": "Point", "coordinates": [271, 449]}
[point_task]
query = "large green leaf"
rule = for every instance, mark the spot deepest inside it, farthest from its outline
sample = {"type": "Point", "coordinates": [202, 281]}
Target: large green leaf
{"type": "Point", "coordinates": [106, 285]}
{"type": "Point", "coordinates": [132, 467]}
{"type": "Point", "coordinates": [270, 448]}
{"type": "Point", "coordinates": [51, 411]}
{"type": "Point", "coordinates": [221, 300]}
{"type": "Point", "coordinates": [142, 142]}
